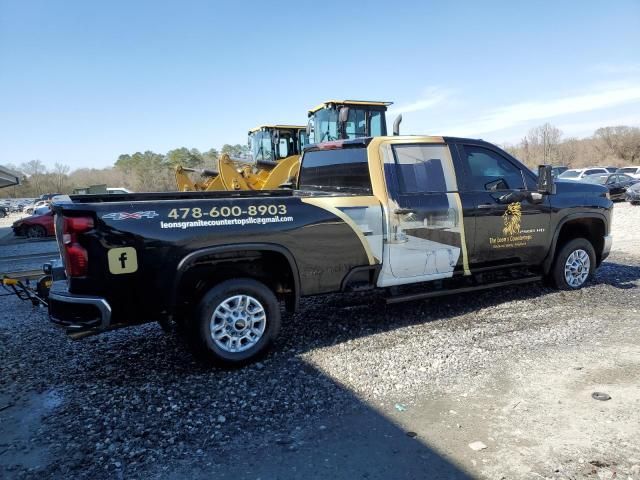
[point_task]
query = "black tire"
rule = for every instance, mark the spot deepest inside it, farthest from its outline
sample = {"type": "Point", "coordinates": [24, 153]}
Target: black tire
{"type": "Point", "coordinates": [557, 274]}
{"type": "Point", "coordinates": [201, 338]}
{"type": "Point", "coordinates": [35, 231]}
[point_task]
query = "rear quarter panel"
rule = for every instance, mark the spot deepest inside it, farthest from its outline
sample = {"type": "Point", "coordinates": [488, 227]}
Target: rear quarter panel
{"type": "Point", "coordinates": [162, 233]}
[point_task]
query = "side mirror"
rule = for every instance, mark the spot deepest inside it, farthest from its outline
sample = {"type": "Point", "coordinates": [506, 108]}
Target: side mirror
{"type": "Point", "coordinates": [546, 185]}
{"type": "Point", "coordinates": [343, 115]}
{"type": "Point", "coordinates": [309, 128]}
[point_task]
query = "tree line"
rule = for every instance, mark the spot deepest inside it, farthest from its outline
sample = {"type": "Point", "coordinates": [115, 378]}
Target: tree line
{"type": "Point", "coordinates": [139, 172]}
{"type": "Point", "coordinates": [608, 146]}
{"type": "Point", "coordinates": [150, 171]}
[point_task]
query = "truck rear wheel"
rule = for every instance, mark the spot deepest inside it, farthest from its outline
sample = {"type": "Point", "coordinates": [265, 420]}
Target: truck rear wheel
{"type": "Point", "coordinates": [574, 265]}
{"type": "Point", "coordinates": [236, 322]}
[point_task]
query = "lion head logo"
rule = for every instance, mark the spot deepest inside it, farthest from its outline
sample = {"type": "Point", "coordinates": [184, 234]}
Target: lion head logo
{"type": "Point", "coordinates": [511, 218]}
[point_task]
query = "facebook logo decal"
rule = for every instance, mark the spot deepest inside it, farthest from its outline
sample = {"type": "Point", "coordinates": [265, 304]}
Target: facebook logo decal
{"type": "Point", "coordinates": [122, 260]}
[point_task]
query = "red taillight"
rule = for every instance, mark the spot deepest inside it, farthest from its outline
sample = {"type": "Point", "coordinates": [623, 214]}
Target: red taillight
{"type": "Point", "coordinates": [78, 224]}
{"type": "Point", "coordinates": [77, 264]}
{"type": "Point", "coordinates": [75, 255]}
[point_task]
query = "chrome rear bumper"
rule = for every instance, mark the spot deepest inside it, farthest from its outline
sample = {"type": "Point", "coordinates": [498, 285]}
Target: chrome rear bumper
{"type": "Point", "coordinates": [78, 313]}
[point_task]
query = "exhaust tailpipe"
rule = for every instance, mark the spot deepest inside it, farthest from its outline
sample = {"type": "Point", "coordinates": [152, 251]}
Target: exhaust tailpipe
{"type": "Point", "coordinates": [396, 125]}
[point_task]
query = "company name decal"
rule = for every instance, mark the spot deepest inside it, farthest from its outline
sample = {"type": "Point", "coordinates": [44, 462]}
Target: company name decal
{"type": "Point", "coordinates": [514, 236]}
{"type": "Point", "coordinates": [130, 215]}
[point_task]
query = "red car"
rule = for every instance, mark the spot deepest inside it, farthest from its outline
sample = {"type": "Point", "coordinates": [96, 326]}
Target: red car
{"type": "Point", "coordinates": [35, 226]}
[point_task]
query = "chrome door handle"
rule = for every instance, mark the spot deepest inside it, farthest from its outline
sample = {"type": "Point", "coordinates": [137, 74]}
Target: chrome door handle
{"type": "Point", "coordinates": [486, 205]}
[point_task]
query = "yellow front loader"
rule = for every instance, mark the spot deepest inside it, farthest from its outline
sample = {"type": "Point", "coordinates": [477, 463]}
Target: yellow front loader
{"type": "Point", "coordinates": [275, 151]}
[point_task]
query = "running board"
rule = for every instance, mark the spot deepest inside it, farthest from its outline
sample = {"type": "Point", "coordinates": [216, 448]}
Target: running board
{"type": "Point", "coordinates": [443, 292]}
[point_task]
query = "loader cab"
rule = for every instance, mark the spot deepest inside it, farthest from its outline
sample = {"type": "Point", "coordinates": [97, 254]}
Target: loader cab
{"type": "Point", "coordinates": [346, 119]}
{"type": "Point", "coordinates": [272, 143]}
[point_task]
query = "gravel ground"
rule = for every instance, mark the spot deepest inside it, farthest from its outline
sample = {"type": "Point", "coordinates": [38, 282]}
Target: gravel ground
{"type": "Point", "coordinates": [347, 379]}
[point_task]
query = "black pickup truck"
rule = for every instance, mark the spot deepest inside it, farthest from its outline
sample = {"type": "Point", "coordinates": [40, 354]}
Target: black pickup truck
{"type": "Point", "coordinates": [415, 216]}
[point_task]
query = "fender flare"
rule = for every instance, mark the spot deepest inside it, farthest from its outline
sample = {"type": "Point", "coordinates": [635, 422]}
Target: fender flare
{"type": "Point", "coordinates": [192, 257]}
{"type": "Point", "coordinates": [567, 218]}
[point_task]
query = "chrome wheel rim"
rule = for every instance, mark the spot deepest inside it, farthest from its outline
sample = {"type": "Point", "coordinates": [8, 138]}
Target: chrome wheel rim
{"type": "Point", "coordinates": [576, 268]}
{"type": "Point", "coordinates": [238, 323]}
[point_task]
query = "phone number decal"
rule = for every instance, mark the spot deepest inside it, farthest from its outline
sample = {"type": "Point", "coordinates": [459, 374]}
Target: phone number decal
{"type": "Point", "coordinates": [224, 212]}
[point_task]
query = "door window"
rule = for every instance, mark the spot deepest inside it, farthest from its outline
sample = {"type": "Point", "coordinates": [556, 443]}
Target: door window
{"type": "Point", "coordinates": [487, 170]}
{"type": "Point", "coordinates": [420, 168]}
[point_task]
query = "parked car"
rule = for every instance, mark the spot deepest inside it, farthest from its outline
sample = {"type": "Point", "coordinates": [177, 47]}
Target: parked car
{"type": "Point", "coordinates": [632, 195]}
{"type": "Point", "coordinates": [36, 205]}
{"type": "Point", "coordinates": [617, 183]}
{"type": "Point", "coordinates": [48, 196]}
{"type": "Point", "coordinates": [4, 211]}
{"type": "Point", "coordinates": [631, 171]}
{"type": "Point", "coordinates": [42, 210]}
{"type": "Point", "coordinates": [557, 170]}
{"type": "Point", "coordinates": [579, 173]}
{"type": "Point", "coordinates": [35, 226]}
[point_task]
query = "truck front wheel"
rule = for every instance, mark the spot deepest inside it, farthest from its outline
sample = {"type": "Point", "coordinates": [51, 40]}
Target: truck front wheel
{"type": "Point", "coordinates": [236, 322]}
{"type": "Point", "coordinates": [574, 265]}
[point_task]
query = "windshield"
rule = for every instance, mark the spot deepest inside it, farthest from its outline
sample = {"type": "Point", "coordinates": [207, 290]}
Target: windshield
{"type": "Point", "coordinates": [600, 179]}
{"type": "Point", "coordinates": [627, 170]}
{"type": "Point", "coordinates": [325, 128]}
{"type": "Point", "coordinates": [261, 146]}
{"type": "Point", "coordinates": [569, 174]}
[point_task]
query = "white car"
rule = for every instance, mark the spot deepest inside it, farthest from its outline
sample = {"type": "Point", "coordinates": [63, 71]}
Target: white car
{"type": "Point", "coordinates": [579, 173]}
{"type": "Point", "coordinates": [633, 172]}
{"type": "Point", "coordinates": [37, 204]}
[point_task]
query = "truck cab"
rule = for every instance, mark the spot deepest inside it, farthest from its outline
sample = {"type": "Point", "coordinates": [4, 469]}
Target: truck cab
{"type": "Point", "coordinates": [440, 206]}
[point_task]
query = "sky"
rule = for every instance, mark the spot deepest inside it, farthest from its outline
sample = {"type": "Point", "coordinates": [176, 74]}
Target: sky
{"type": "Point", "coordinates": [83, 82]}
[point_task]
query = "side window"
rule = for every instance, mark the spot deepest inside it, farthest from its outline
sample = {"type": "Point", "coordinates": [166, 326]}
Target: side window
{"type": "Point", "coordinates": [421, 168]}
{"type": "Point", "coordinates": [375, 124]}
{"type": "Point", "coordinates": [489, 171]}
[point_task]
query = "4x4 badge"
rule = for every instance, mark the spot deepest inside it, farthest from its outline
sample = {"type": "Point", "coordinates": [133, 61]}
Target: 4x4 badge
{"type": "Point", "coordinates": [130, 216]}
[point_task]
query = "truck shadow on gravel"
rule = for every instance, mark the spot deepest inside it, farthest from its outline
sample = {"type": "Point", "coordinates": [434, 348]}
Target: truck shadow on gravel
{"type": "Point", "coordinates": [136, 404]}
